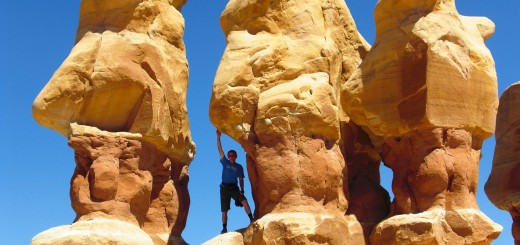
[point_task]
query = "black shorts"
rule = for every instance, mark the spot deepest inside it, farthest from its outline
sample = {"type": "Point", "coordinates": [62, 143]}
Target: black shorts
{"type": "Point", "coordinates": [226, 193]}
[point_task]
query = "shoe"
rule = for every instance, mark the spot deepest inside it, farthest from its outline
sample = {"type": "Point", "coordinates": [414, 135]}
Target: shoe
{"type": "Point", "coordinates": [224, 230]}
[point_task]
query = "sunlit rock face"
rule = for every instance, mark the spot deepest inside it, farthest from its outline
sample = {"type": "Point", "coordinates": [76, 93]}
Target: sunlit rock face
{"type": "Point", "coordinates": [503, 187]}
{"type": "Point", "coordinates": [230, 238]}
{"type": "Point", "coordinates": [95, 231]}
{"type": "Point", "coordinates": [120, 98]}
{"type": "Point", "coordinates": [428, 68]}
{"type": "Point", "coordinates": [436, 226]}
{"type": "Point", "coordinates": [127, 72]}
{"type": "Point", "coordinates": [426, 94]}
{"type": "Point", "coordinates": [276, 92]}
{"type": "Point", "coordinates": [123, 177]}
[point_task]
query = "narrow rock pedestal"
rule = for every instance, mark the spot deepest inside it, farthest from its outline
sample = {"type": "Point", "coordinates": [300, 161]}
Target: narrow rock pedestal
{"type": "Point", "coordinates": [435, 181]}
{"type": "Point", "coordinates": [121, 177]}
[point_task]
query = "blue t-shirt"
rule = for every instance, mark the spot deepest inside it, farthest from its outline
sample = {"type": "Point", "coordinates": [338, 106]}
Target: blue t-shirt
{"type": "Point", "coordinates": [230, 171]}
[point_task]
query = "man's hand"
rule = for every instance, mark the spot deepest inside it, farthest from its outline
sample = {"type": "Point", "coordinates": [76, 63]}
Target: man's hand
{"type": "Point", "coordinates": [218, 133]}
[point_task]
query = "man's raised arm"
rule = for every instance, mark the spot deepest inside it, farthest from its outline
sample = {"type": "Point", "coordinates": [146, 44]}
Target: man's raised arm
{"type": "Point", "coordinates": [219, 145]}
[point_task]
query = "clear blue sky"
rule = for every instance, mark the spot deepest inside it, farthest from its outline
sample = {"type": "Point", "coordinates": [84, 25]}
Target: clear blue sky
{"type": "Point", "coordinates": [37, 164]}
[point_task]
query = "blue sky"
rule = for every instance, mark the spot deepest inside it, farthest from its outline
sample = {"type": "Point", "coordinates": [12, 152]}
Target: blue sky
{"type": "Point", "coordinates": [37, 164]}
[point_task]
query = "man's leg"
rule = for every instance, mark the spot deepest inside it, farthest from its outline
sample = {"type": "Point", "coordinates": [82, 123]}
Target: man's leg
{"type": "Point", "coordinates": [247, 209]}
{"type": "Point", "coordinates": [224, 222]}
{"type": "Point", "coordinates": [225, 200]}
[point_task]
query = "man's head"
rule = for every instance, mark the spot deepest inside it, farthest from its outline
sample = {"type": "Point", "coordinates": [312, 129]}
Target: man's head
{"type": "Point", "coordinates": [232, 156]}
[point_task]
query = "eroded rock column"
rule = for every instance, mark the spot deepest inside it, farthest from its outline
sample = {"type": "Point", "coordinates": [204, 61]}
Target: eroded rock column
{"type": "Point", "coordinates": [120, 99]}
{"type": "Point", "coordinates": [502, 187]}
{"type": "Point", "coordinates": [121, 176]}
{"type": "Point", "coordinates": [276, 92]}
{"type": "Point", "coordinates": [427, 96]}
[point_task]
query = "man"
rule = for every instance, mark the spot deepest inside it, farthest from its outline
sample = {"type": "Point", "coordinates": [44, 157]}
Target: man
{"type": "Point", "coordinates": [231, 171]}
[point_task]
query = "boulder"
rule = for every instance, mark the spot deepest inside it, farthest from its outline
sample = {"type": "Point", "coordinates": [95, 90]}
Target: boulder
{"type": "Point", "coordinates": [305, 228]}
{"type": "Point", "coordinates": [94, 231]}
{"type": "Point", "coordinates": [230, 238]}
{"type": "Point", "coordinates": [126, 73]}
{"type": "Point", "coordinates": [429, 68]}
{"type": "Point", "coordinates": [274, 42]}
{"type": "Point", "coordinates": [463, 226]}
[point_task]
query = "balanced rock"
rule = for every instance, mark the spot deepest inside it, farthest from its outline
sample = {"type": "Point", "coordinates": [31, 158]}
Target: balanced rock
{"type": "Point", "coordinates": [426, 94]}
{"type": "Point", "coordinates": [276, 92]}
{"type": "Point", "coordinates": [127, 72]}
{"type": "Point", "coordinates": [429, 68]}
{"type": "Point", "coordinates": [120, 98]}
{"type": "Point", "coordinates": [502, 187]}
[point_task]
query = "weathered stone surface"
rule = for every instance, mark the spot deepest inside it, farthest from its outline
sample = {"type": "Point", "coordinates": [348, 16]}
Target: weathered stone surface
{"type": "Point", "coordinates": [274, 42]}
{"type": "Point", "coordinates": [121, 176]}
{"type": "Point", "coordinates": [433, 169]}
{"type": "Point", "coordinates": [276, 92]}
{"type": "Point", "coordinates": [120, 98]}
{"type": "Point", "coordinates": [230, 238]}
{"type": "Point", "coordinates": [95, 231]}
{"type": "Point", "coordinates": [429, 68]}
{"type": "Point", "coordinates": [305, 228]}
{"type": "Point", "coordinates": [502, 187]}
{"type": "Point", "coordinates": [463, 226]}
{"type": "Point", "coordinates": [126, 72]}
{"type": "Point", "coordinates": [297, 166]}
{"type": "Point", "coordinates": [426, 94]}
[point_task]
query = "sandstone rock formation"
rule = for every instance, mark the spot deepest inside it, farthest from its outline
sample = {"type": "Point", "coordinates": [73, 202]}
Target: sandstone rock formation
{"type": "Point", "coordinates": [305, 228]}
{"type": "Point", "coordinates": [120, 99]}
{"type": "Point", "coordinates": [230, 238]}
{"type": "Point", "coordinates": [95, 231]}
{"type": "Point", "coordinates": [126, 72]}
{"type": "Point", "coordinates": [436, 227]}
{"type": "Point", "coordinates": [276, 92]}
{"type": "Point", "coordinates": [502, 187]}
{"type": "Point", "coordinates": [426, 94]}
